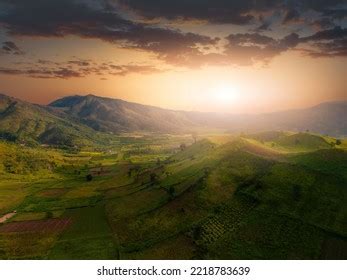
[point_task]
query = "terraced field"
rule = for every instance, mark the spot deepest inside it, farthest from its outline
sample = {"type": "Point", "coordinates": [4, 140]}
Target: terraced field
{"type": "Point", "coordinates": [226, 220]}
{"type": "Point", "coordinates": [269, 195]}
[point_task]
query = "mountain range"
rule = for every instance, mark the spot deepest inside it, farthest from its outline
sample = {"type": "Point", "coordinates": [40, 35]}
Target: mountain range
{"type": "Point", "coordinates": [84, 120]}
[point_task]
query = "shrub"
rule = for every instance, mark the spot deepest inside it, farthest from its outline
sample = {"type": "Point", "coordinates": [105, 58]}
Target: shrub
{"type": "Point", "coordinates": [49, 215]}
{"type": "Point", "coordinates": [297, 192]}
{"type": "Point", "coordinates": [172, 191]}
{"type": "Point", "coordinates": [183, 146]}
{"type": "Point", "coordinates": [153, 178]}
{"type": "Point", "coordinates": [89, 177]}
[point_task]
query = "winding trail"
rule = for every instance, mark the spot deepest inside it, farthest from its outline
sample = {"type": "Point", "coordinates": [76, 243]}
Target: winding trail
{"type": "Point", "coordinates": [7, 216]}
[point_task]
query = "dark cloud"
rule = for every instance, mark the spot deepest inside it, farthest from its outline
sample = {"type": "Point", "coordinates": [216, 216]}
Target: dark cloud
{"type": "Point", "coordinates": [329, 34]}
{"type": "Point", "coordinates": [10, 47]}
{"type": "Point", "coordinates": [250, 48]}
{"type": "Point", "coordinates": [292, 16]}
{"type": "Point", "coordinates": [336, 13]}
{"type": "Point", "coordinates": [326, 43]}
{"type": "Point", "coordinates": [323, 23]}
{"type": "Point", "coordinates": [102, 19]}
{"type": "Point", "coordinates": [336, 48]}
{"type": "Point", "coordinates": [217, 11]}
{"type": "Point", "coordinates": [265, 26]}
{"type": "Point", "coordinates": [129, 69]}
{"type": "Point", "coordinates": [326, 14]}
{"type": "Point", "coordinates": [81, 63]}
{"type": "Point", "coordinates": [232, 11]}
{"type": "Point", "coordinates": [78, 68]}
{"type": "Point", "coordinates": [43, 73]}
{"type": "Point", "coordinates": [89, 19]}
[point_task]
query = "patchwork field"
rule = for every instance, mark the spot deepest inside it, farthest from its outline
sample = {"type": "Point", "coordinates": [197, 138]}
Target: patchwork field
{"type": "Point", "coordinates": [273, 195]}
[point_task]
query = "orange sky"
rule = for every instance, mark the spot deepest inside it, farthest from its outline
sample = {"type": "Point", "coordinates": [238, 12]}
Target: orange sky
{"type": "Point", "coordinates": [290, 81]}
{"type": "Point", "coordinates": [284, 80]}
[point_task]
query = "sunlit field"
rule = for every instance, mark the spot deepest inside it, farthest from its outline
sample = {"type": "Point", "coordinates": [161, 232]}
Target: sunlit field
{"type": "Point", "coordinates": [263, 196]}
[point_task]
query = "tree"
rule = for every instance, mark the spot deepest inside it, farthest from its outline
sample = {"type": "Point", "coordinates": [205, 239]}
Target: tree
{"type": "Point", "coordinates": [49, 215]}
{"type": "Point", "coordinates": [89, 177]}
{"type": "Point", "coordinates": [297, 193]}
{"type": "Point", "coordinates": [338, 142]}
{"type": "Point", "coordinates": [197, 231]}
{"type": "Point", "coordinates": [172, 191]}
{"type": "Point", "coordinates": [153, 178]}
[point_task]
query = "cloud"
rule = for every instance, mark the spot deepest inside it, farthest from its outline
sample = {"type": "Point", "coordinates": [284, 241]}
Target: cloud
{"type": "Point", "coordinates": [232, 11]}
{"type": "Point", "coordinates": [217, 11]}
{"type": "Point", "coordinates": [105, 20]}
{"type": "Point", "coordinates": [250, 48]}
{"type": "Point", "coordinates": [10, 47]}
{"type": "Point", "coordinates": [139, 69]}
{"type": "Point", "coordinates": [322, 24]}
{"type": "Point", "coordinates": [90, 19]}
{"type": "Point", "coordinates": [326, 43]}
{"type": "Point", "coordinates": [265, 26]}
{"type": "Point", "coordinates": [292, 16]}
{"type": "Point", "coordinates": [329, 34]}
{"type": "Point", "coordinates": [77, 68]}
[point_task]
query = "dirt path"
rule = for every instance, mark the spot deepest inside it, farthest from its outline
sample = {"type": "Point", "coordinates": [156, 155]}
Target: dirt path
{"type": "Point", "coordinates": [7, 216]}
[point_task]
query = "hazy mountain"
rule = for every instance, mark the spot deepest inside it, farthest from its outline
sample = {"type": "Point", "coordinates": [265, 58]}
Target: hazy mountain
{"type": "Point", "coordinates": [74, 120]}
{"type": "Point", "coordinates": [114, 115]}
{"type": "Point", "coordinates": [326, 118]}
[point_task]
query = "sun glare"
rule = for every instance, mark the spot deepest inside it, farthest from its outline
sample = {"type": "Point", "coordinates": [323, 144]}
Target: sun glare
{"type": "Point", "coordinates": [225, 94]}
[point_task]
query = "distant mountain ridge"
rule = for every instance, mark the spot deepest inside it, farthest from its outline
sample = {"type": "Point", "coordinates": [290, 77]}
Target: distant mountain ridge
{"type": "Point", "coordinates": [78, 120]}
{"type": "Point", "coordinates": [325, 118]}
{"type": "Point", "coordinates": [115, 115]}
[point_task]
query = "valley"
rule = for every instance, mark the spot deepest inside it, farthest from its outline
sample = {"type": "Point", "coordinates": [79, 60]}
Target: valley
{"type": "Point", "coordinates": [269, 195]}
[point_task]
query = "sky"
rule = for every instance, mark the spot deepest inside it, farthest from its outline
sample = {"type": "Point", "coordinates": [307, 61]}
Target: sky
{"type": "Point", "coordinates": [248, 56]}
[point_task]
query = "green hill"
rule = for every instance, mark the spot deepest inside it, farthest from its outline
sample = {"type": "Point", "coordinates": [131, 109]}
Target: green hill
{"type": "Point", "coordinates": [332, 161]}
{"type": "Point", "coordinates": [292, 142]}
{"type": "Point", "coordinates": [268, 136]}
{"type": "Point", "coordinates": [114, 115]}
{"type": "Point", "coordinates": [303, 142]}
{"type": "Point", "coordinates": [89, 120]}
{"type": "Point", "coordinates": [17, 160]}
{"type": "Point", "coordinates": [32, 124]}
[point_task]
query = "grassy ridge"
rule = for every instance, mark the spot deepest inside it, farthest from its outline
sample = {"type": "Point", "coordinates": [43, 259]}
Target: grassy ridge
{"type": "Point", "coordinates": [150, 197]}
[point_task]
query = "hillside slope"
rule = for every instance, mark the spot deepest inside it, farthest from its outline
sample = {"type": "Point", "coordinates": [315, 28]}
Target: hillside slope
{"type": "Point", "coordinates": [114, 115]}
{"type": "Point", "coordinates": [30, 124]}
{"type": "Point", "coordinates": [76, 120]}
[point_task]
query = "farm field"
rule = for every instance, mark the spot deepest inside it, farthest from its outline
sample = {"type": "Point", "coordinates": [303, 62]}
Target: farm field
{"type": "Point", "coordinates": [273, 195]}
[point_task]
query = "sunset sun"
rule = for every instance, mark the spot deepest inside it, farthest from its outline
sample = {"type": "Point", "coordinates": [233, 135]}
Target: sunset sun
{"type": "Point", "coordinates": [225, 94]}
